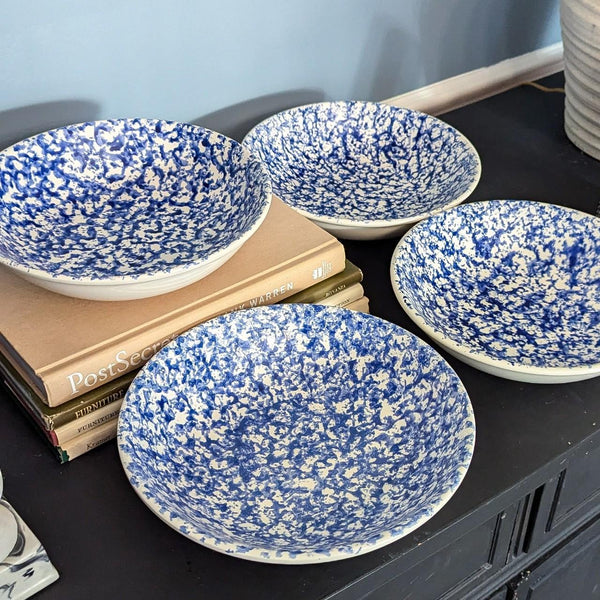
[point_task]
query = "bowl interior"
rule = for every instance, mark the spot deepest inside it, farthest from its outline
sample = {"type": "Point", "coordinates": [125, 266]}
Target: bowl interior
{"type": "Point", "coordinates": [296, 431]}
{"type": "Point", "coordinates": [513, 281]}
{"type": "Point", "coordinates": [364, 162]}
{"type": "Point", "coordinates": [124, 198]}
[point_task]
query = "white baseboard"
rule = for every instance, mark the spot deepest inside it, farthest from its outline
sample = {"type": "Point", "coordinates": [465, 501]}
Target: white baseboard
{"type": "Point", "coordinates": [452, 93]}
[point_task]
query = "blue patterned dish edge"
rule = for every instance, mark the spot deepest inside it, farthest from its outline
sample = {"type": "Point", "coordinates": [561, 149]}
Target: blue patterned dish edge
{"type": "Point", "coordinates": [503, 367]}
{"type": "Point", "coordinates": [471, 159]}
{"type": "Point", "coordinates": [181, 135]}
{"type": "Point", "coordinates": [168, 454]}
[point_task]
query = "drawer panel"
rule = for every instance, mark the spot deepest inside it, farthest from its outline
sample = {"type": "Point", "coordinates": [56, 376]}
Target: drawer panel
{"type": "Point", "coordinates": [578, 485]}
{"type": "Point", "coordinates": [573, 571]}
{"type": "Point", "coordinates": [451, 571]}
{"type": "Point", "coordinates": [567, 500]}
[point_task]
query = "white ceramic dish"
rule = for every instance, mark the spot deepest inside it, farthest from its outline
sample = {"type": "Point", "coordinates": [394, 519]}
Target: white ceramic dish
{"type": "Point", "coordinates": [508, 286]}
{"type": "Point", "coordinates": [296, 433]}
{"type": "Point", "coordinates": [126, 208]}
{"type": "Point", "coordinates": [8, 532]}
{"type": "Point", "coordinates": [365, 170]}
{"type": "Point", "coordinates": [27, 568]}
{"type": "Point", "coordinates": [8, 528]}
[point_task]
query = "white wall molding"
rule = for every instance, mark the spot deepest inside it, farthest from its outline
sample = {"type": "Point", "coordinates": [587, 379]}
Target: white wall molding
{"type": "Point", "coordinates": [454, 92]}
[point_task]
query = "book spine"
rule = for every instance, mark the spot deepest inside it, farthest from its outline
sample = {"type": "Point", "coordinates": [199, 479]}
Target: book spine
{"type": "Point", "coordinates": [86, 411]}
{"type": "Point", "coordinates": [60, 435]}
{"type": "Point", "coordinates": [26, 409]}
{"type": "Point", "coordinates": [112, 361]}
{"type": "Point", "coordinates": [332, 285]}
{"type": "Point", "coordinates": [73, 443]}
{"type": "Point", "coordinates": [87, 423]}
{"type": "Point", "coordinates": [83, 409]}
{"type": "Point", "coordinates": [81, 444]}
{"type": "Point", "coordinates": [350, 294]}
{"type": "Point", "coordinates": [360, 305]}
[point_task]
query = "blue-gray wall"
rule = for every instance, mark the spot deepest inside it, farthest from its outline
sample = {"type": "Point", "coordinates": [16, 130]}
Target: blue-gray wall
{"type": "Point", "coordinates": [229, 63]}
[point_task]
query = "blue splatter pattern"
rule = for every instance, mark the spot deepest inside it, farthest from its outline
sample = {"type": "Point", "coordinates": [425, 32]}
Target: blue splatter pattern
{"type": "Point", "coordinates": [125, 198]}
{"type": "Point", "coordinates": [509, 280]}
{"type": "Point", "coordinates": [296, 433]}
{"type": "Point", "coordinates": [365, 161]}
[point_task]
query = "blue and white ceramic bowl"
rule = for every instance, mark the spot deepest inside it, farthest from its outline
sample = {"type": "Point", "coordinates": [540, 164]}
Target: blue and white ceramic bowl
{"type": "Point", "coordinates": [365, 170]}
{"type": "Point", "coordinates": [126, 208]}
{"type": "Point", "coordinates": [296, 433]}
{"type": "Point", "coordinates": [511, 287]}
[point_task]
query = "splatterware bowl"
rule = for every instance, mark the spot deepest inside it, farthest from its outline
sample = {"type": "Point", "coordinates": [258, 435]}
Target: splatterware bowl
{"type": "Point", "coordinates": [365, 170]}
{"type": "Point", "coordinates": [126, 208]}
{"type": "Point", "coordinates": [511, 287]}
{"type": "Point", "coordinates": [296, 433]}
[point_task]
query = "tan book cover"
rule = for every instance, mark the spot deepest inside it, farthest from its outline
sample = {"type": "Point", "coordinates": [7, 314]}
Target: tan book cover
{"type": "Point", "coordinates": [87, 441]}
{"type": "Point", "coordinates": [81, 410]}
{"type": "Point", "coordinates": [64, 347]}
{"type": "Point", "coordinates": [344, 297]}
{"type": "Point", "coordinates": [360, 305]}
{"type": "Point", "coordinates": [332, 285]}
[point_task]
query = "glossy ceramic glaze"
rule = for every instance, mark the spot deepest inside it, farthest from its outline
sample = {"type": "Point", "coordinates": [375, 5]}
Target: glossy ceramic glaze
{"type": "Point", "coordinates": [580, 21]}
{"type": "Point", "coordinates": [296, 433]}
{"type": "Point", "coordinates": [365, 170]}
{"type": "Point", "coordinates": [510, 287]}
{"type": "Point", "coordinates": [126, 208]}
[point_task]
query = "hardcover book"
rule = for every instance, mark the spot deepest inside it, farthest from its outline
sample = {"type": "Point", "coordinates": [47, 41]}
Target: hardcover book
{"type": "Point", "coordinates": [344, 297]}
{"type": "Point", "coordinates": [64, 347]}
{"type": "Point", "coordinates": [63, 434]}
{"type": "Point", "coordinates": [87, 441]}
{"type": "Point", "coordinates": [83, 410]}
{"type": "Point", "coordinates": [361, 305]}
{"type": "Point", "coordinates": [332, 285]}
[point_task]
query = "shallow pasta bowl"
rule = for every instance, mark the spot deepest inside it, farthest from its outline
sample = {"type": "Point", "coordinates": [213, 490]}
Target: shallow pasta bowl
{"type": "Point", "coordinates": [126, 208]}
{"type": "Point", "coordinates": [365, 170]}
{"type": "Point", "coordinates": [296, 433]}
{"type": "Point", "coordinates": [511, 287]}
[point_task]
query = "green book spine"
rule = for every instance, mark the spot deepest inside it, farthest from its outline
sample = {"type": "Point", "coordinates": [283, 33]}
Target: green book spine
{"type": "Point", "coordinates": [51, 418]}
{"type": "Point", "coordinates": [75, 429]}
{"type": "Point", "coordinates": [332, 285]}
{"type": "Point", "coordinates": [74, 446]}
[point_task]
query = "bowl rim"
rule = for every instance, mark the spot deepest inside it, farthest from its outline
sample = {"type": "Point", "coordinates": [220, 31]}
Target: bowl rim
{"type": "Point", "coordinates": [157, 275]}
{"type": "Point", "coordinates": [273, 555]}
{"type": "Point", "coordinates": [375, 223]}
{"type": "Point", "coordinates": [462, 350]}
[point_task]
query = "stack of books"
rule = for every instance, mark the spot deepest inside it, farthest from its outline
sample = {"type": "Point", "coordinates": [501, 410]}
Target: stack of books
{"type": "Point", "coordinates": [68, 362]}
{"type": "Point", "coordinates": [342, 289]}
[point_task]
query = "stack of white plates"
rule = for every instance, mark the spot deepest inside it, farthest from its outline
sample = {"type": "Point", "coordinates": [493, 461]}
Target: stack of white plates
{"type": "Point", "coordinates": [580, 24]}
